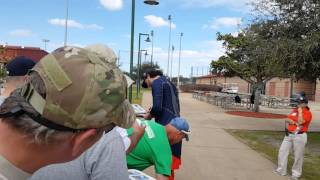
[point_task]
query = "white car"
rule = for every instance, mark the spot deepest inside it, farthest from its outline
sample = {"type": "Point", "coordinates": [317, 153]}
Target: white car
{"type": "Point", "coordinates": [233, 90]}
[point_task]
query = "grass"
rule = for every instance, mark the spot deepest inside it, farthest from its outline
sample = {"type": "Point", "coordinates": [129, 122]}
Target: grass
{"type": "Point", "coordinates": [268, 142]}
{"type": "Point", "coordinates": [138, 100]}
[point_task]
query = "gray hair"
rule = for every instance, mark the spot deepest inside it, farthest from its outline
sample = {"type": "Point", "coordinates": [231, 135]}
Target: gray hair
{"type": "Point", "coordinates": [36, 132]}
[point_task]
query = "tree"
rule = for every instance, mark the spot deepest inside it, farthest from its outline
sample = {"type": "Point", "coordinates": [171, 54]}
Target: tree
{"type": "Point", "coordinates": [296, 33]}
{"type": "Point", "coordinates": [144, 68]}
{"type": "Point", "coordinates": [249, 56]}
{"type": "Point", "coordinates": [3, 73]}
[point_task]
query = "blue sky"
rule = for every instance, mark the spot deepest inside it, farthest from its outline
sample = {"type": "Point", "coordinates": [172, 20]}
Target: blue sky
{"type": "Point", "coordinates": [26, 23]}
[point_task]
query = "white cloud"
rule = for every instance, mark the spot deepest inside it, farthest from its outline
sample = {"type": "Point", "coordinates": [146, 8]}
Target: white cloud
{"type": "Point", "coordinates": [217, 23]}
{"type": "Point", "coordinates": [112, 5]}
{"type": "Point", "coordinates": [212, 50]}
{"type": "Point", "coordinates": [23, 33]}
{"type": "Point", "coordinates": [73, 24]}
{"type": "Point", "coordinates": [156, 21]}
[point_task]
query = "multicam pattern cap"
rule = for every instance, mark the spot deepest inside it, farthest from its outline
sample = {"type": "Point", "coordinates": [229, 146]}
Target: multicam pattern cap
{"type": "Point", "coordinates": [82, 90]}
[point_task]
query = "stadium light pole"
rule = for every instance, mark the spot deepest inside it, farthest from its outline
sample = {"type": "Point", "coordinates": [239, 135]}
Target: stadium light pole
{"type": "Point", "coordinates": [181, 34]}
{"type": "Point", "coordinates": [152, 35]}
{"type": "Point", "coordinates": [172, 54]}
{"type": "Point", "coordinates": [45, 43]}
{"type": "Point", "coordinates": [169, 48]}
{"type": "Point", "coordinates": [133, 5]}
{"type": "Point", "coordinates": [66, 23]}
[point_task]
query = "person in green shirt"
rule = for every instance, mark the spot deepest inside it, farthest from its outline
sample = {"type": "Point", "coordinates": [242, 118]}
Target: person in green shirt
{"type": "Point", "coordinates": [154, 146]}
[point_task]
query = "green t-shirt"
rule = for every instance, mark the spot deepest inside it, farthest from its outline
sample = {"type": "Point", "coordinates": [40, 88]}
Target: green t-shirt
{"type": "Point", "coordinates": [151, 151]}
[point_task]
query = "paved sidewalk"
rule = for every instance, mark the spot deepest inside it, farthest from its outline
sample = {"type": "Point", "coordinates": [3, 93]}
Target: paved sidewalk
{"type": "Point", "coordinates": [213, 154]}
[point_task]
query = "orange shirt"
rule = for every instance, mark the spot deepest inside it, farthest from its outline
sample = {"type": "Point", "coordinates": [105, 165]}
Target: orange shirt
{"type": "Point", "coordinates": [294, 115]}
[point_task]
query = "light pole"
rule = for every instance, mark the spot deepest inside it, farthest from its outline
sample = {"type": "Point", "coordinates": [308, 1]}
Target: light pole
{"type": "Point", "coordinates": [145, 56]}
{"type": "Point", "coordinates": [169, 48]}
{"type": "Point", "coordinates": [133, 5]}
{"type": "Point", "coordinates": [152, 35]}
{"type": "Point", "coordinates": [45, 43]}
{"type": "Point", "coordinates": [181, 34]}
{"type": "Point", "coordinates": [171, 62]}
{"type": "Point", "coordinates": [66, 23]}
{"type": "Point", "coordinates": [139, 62]}
{"type": "Point", "coordinates": [118, 59]}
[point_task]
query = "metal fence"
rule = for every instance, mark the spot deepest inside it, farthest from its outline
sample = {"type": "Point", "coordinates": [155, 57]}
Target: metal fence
{"type": "Point", "coordinates": [241, 100]}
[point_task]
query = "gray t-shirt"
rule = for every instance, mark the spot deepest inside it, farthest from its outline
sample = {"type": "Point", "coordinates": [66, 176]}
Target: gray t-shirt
{"type": "Point", "coordinates": [106, 160]}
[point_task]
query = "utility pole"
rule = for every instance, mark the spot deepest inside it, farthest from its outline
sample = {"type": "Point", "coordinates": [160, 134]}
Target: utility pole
{"type": "Point", "coordinates": [118, 61]}
{"type": "Point", "coordinates": [152, 35]}
{"type": "Point", "coordinates": [45, 43]}
{"type": "Point", "coordinates": [171, 62]}
{"type": "Point", "coordinates": [181, 34]}
{"type": "Point", "coordinates": [191, 75]}
{"type": "Point", "coordinates": [169, 48]}
{"type": "Point", "coordinates": [66, 23]}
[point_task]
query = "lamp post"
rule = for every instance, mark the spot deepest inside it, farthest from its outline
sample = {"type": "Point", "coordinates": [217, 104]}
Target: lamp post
{"type": "Point", "coordinates": [133, 5]}
{"type": "Point", "coordinates": [45, 43]}
{"type": "Point", "coordinates": [151, 2]}
{"type": "Point", "coordinates": [145, 56]}
{"type": "Point", "coordinates": [66, 23]}
{"type": "Point", "coordinates": [171, 62]}
{"type": "Point", "coordinates": [139, 62]}
{"type": "Point", "coordinates": [169, 48]}
{"type": "Point", "coordinates": [118, 59]}
{"type": "Point", "coordinates": [181, 34]}
{"type": "Point", "coordinates": [152, 35]}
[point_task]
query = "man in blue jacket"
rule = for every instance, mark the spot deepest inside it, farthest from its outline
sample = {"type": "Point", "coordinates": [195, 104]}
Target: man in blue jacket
{"type": "Point", "coordinates": [165, 107]}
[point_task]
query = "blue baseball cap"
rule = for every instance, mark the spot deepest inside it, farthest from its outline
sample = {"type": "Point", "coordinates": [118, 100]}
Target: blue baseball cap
{"type": "Point", "coordinates": [20, 66]}
{"type": "Point", "coordinates": [182, 125]}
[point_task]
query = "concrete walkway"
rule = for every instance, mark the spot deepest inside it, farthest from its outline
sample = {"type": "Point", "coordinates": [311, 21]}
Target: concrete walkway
{"type": "Point", "coordinates": [213, 154]}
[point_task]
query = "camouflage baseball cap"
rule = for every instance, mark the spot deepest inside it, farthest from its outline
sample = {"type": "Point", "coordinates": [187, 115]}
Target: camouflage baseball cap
{"type": "Point", "coordinates": [82, 90]}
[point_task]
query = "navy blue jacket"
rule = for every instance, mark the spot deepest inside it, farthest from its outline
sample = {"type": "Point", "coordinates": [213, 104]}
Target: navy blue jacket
{"type": "Point", "coordinates": [165, 101]}
{"type": "Point", "coordinates": [166, 105]}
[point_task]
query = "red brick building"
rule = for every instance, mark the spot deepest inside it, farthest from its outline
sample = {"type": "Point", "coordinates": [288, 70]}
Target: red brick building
{"type": "Point", "coordinates": [283, 87]}
{"type": "Point", "coordinates": [7, 53]}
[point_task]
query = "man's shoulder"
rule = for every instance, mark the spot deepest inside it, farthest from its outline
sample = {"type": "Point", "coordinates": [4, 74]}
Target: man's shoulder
{"type": "Point", "coordinates": [108, 141]}
{"type": "Point", "coordinates": [160, 80]}
{"type": "Point", "coordinates": [9, 171]}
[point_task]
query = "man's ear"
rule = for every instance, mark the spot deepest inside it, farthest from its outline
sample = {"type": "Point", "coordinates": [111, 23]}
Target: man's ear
{"type": "Point", "coordinates": [83, 141]}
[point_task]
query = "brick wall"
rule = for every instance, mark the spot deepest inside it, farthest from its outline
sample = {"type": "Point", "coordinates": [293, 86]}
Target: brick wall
{"type": "Point", "coordinates": [10, 52]}
{"type": "Point", "coordinates": [317, 96]}
{"type": "Point", "coordinates": [281, 88]}
{"type": "Point", "coordinates": [277, 87]}
{"type": "Point", "coordinates": [306, 86]}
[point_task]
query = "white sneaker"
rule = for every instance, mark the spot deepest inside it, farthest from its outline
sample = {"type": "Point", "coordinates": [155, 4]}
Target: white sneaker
{"type": "Point", "coordinates": [279, 173]}
{"type": "Point", "coordinates": [294, 178]}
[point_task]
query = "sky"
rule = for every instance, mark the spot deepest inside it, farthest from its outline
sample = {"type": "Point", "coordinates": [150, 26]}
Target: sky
{"type": "Point", "coordinates": [27, 23]}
